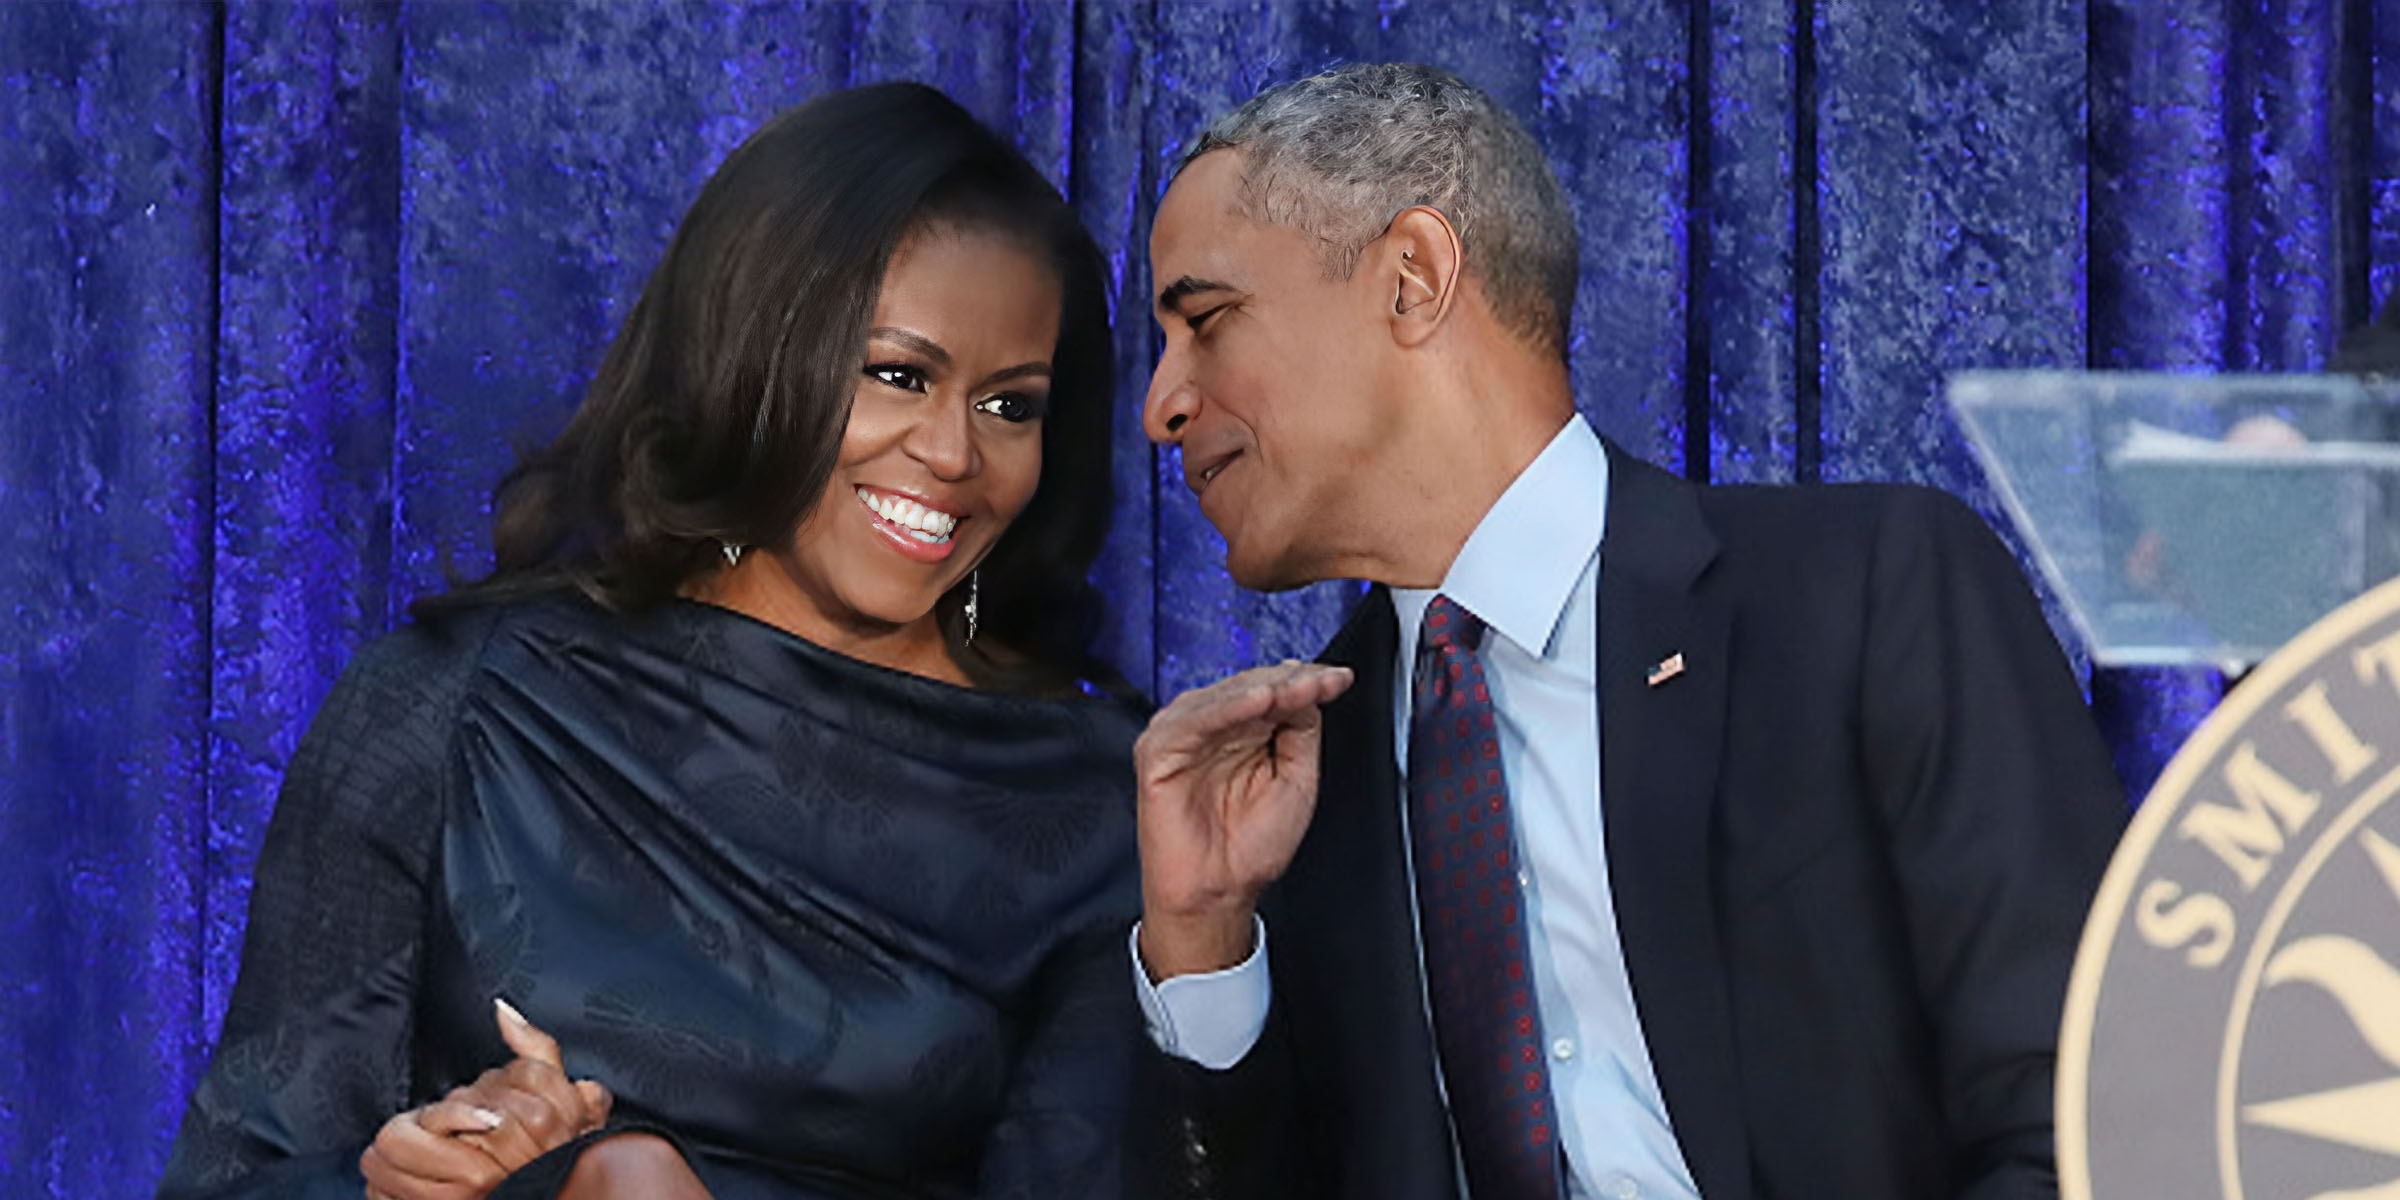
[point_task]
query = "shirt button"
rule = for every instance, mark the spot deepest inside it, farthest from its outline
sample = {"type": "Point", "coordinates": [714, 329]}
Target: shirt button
{"type": "Point", "coordinates": [1624, 1188]}
{"type": "Point", "coordinates": [1564, 1049]}
{"type": "Point", "coordinates": [1524, 880]}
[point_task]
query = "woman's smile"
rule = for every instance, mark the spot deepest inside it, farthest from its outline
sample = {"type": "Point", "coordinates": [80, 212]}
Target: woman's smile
{"type": "Point", "coordinates": [912, 527]}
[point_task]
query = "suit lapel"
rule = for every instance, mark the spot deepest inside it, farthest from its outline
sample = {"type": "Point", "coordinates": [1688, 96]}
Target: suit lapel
{"type": "Point", "coordinates": [1346, 901]}
{"type": "Point", "coordinates": [1659, 750]}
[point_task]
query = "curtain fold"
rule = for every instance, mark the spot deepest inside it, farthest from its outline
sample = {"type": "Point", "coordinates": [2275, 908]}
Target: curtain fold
{"type": "Point", "coordinates": [108, 302]}
{"type": "Point", "coordinates": [284, 288]}
{"type": "Point", "coordinates": [307, 357]}
{"type": "Point", "coordinates": [1747, 236]}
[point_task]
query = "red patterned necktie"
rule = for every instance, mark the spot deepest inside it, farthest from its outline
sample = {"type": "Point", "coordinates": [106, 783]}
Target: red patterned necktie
{"type": "Point", "coordinates": [1471, 915]}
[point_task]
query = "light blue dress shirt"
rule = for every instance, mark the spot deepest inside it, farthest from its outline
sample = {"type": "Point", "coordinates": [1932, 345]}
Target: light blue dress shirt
{"type": "Point", "coordinates": [1530, 571]}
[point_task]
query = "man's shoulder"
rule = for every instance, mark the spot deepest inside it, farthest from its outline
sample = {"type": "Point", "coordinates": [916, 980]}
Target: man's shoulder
{"type": "Point", "coordinates": [1647, 502]}
{"type": "Point", "coordinates": [1834, 521]}
{"type": "Point", "coordinates": [1835, 506]}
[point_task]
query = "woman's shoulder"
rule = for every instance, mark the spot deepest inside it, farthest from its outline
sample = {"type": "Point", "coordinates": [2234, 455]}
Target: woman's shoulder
{"type": "Point", "coordinates": [429, 658]}
{"type": "Point", "coordinates": [1113, 715]}
{"type": "Point", "coordinates": [431, 648]}
{"type": "Point", "coordinates": [401, 692]}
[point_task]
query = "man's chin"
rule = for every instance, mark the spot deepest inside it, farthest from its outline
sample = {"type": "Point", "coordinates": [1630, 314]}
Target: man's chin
{"type": "Point", "coordinates": [1278, 571]}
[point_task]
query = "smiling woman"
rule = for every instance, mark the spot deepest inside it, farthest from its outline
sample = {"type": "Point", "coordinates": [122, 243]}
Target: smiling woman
{"type": "Point", "coordinates": [943, 450]}
{"type": "Point", "coordinates": [762, 823]}
{"type": "Point", "coordinates": [882, 218]}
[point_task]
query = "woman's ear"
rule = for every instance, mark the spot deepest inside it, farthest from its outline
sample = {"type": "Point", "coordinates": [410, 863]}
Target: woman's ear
{"type": "Point", "coordinates": [1419, 259]}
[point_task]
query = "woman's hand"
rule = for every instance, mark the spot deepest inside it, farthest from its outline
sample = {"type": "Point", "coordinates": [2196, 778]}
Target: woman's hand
{"type": "Point", "coordinates": [461, 1146]}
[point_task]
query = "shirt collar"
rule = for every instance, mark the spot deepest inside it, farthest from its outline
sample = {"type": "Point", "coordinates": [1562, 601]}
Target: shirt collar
{"type": "Point", "coordinates": [1518, 569]}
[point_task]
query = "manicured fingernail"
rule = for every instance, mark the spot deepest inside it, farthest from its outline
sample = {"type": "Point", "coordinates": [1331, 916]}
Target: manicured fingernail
{"type": "Point", "coordinates": [490, 1119]}
{"type": "Point", "coordinates": [509, 1013]}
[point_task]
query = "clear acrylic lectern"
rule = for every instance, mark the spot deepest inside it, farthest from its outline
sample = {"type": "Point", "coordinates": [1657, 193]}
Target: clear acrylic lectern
{"type": "Point", "coordinates": [2193, 519]}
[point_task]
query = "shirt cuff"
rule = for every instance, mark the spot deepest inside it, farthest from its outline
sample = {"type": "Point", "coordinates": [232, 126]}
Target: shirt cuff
{"type": "Point", "coordinates": [1212, 1019]}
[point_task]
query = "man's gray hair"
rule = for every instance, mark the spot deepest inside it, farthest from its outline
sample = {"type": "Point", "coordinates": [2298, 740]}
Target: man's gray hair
{"type": "Point", "coordinates": [1337, 155]}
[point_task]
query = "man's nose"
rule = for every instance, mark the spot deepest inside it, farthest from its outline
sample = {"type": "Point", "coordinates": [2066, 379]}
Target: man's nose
{"type": "Point", "coordinates": [1172, 402]}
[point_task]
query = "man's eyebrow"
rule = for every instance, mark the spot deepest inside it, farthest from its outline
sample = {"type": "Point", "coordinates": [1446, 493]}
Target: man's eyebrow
{"type": "Point", "coordinates": [1171, 297]}
{"type": "Point", "coordinates": [913, 340]}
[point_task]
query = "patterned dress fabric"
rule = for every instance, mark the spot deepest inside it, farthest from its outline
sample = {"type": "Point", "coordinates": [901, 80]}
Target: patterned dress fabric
{"type": "Point", "coordinates": [840, 931]}
{"type": "Point", "coordinates": [1472, 912]}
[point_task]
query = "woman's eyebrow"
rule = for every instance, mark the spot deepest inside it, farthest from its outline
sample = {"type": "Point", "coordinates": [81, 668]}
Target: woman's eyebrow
{"type": "Point", "coordinates": [913, 340]}
{"type": "Point", "coordinates": [1025, 370]}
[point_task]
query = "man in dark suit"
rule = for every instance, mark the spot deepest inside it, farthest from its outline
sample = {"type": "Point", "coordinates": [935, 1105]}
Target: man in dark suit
{"type": "Point", "coordinates": [1633, 838]}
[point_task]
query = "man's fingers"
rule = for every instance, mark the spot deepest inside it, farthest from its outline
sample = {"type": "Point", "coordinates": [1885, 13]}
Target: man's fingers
{"type": "Point", "coordinates": [1232, 708]}
{"type": "Point", "coordinates": [1269, 713]}
{"type": "Point", "coordinates": [1330, 682]}
{"type": "Point", "coordinates": [1295, 703]}
{"type": "Point", "coordinates": [1246, 690]}
{"type": "Point", "coordinates": [1302, 687]}
{"type": "Point", "coordinates": [1301, 699]}
{"type": "Point", "coordinates": [523, 1037]}
{"type": "Point", "coordinates": [1229, 701]}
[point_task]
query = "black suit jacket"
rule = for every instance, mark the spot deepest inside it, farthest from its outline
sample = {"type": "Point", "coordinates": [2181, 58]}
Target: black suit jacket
{"type": "Point", "coordinates": [1850, 847]}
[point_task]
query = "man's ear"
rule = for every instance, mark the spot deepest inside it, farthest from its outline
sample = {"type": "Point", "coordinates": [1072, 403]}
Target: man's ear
{"type": "Point", "coordinates": [1419, 258]}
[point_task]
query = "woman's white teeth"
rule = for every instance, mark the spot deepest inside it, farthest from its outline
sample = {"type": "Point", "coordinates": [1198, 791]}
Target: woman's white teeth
{"type": "Point", "coordinates": [922, 523]}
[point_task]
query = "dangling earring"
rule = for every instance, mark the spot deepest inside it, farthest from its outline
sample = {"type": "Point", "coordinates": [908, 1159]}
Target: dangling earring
{"type": "Point", "coordinates": [732, 552]}
{"type": "Point", "coordinates": [974, 593]}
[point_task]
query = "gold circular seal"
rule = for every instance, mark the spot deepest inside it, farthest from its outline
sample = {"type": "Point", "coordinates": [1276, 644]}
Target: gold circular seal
{"type": "Point", "coordinates": [2232, 1028]}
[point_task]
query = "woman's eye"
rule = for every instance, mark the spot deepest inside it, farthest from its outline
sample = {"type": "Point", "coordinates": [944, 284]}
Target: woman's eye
{"type": "Point", "coordinates": [1010, 406]}
{"type": "Point", "coordinates": [1199, 321]}
{"type": "Point", "coordinates": [906, 378]}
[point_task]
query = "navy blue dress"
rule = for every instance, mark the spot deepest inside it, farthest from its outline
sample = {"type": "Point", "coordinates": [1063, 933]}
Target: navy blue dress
{"type": "Point", "coordinates": [841, 931]}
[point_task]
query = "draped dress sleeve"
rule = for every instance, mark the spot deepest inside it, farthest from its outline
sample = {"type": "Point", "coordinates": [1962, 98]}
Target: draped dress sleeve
{"type": "Point", "coordinates": [1062, 1129]}
{"type": "Point", "coordinates": [314, 1054]}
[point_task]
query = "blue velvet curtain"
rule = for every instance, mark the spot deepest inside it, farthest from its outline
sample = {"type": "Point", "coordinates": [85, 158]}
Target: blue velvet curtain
{"type": "Point", "coordinates": [282, 286]}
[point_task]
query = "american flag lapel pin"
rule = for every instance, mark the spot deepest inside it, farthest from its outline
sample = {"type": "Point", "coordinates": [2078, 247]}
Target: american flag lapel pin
{"type": "Point", "coordinates": [1666, 668]}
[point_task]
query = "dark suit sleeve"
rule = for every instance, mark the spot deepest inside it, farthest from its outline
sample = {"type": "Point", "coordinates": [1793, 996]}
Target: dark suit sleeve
{"type": "Point", "coordinates": [314, 1053]}
{"type": "Point", "coordinates": [1235, 1134]}
{"type": "Point", "coordinates": [2001, 807]}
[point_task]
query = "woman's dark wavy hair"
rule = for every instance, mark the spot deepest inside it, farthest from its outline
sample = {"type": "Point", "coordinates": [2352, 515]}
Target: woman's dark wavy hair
{"type": "Point", "coordinates": [718, 413]}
